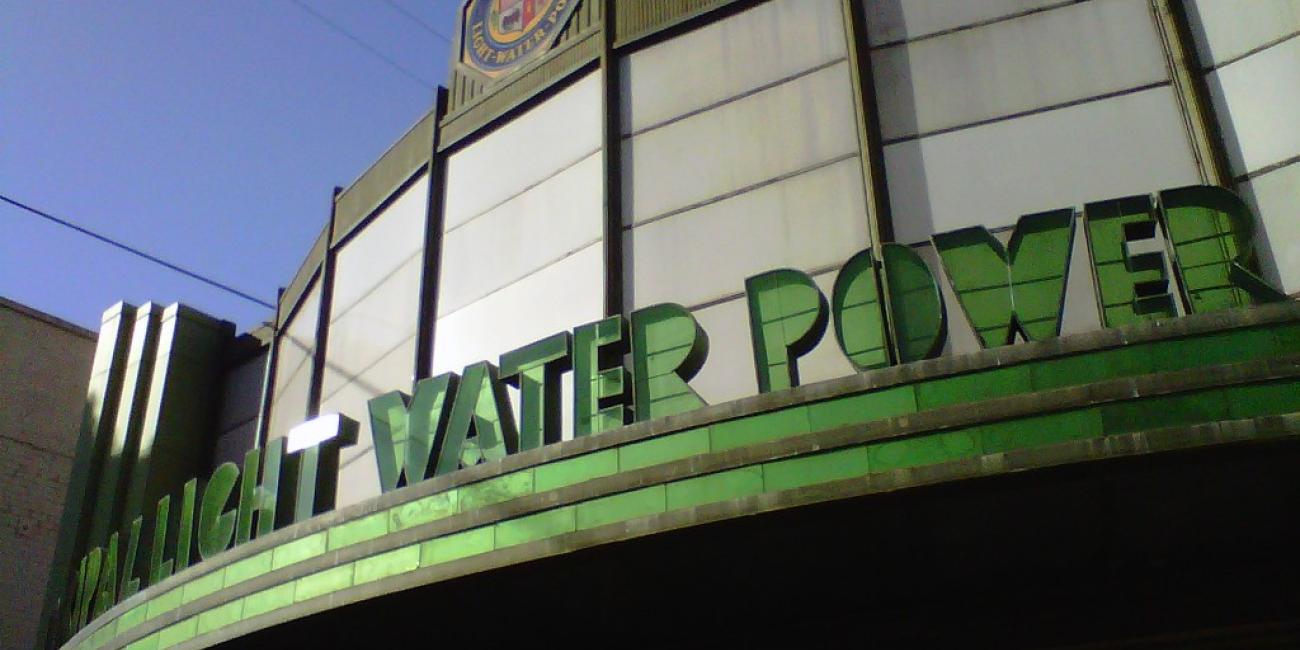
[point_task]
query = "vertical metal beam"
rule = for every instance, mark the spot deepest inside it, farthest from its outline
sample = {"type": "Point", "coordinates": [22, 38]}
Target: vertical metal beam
{"type": "Point", "coordinates": [268, 375]}
{"type": "Point", "coordinates": [427, 318]}
{"type": "Point", "coordinates": [871, 150]}
{"type": "Point", "coordinates": [326, 280]}
{"type": "Point", "coordinates": [1188, 80]}
{"type": "Point", "coordinates": [612, 145]}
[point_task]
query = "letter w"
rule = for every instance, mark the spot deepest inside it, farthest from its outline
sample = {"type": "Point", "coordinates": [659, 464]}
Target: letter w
{"type": "Point", "coordinates": [404, 429]}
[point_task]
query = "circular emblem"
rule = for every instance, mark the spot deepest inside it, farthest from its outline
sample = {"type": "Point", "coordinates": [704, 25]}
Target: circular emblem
{"type": "Point", "coordinates": [501, 34]}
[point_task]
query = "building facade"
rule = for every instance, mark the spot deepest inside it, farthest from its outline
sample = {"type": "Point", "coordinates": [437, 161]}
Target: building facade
{"type": "Point", "coordinates": [44, 361]}
{"type": "Point", "coordinates": [658, 270]}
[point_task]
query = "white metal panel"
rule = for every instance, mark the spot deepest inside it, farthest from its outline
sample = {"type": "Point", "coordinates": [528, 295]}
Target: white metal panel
{"type": "Point", "coordinates": [809, 221]}
{"type": "Point", "coordinates": [1255, 99]}
{"type": "Point", "coordinates": [1276, 199]}
{"type": "Point", "coordinates": [889, 21]}
{"type": "Point", "coordinates": [293, 366]}
{"type": "Point", "coordinates": [547, 222]}
{"type": "Point", "coordinates": [731, 56]}
{"type": "Point", "coordinates": [554, 299]}
{"type": "Point", "coordinates": [752, 140]}
{"type": "Point", "coordinates": [549, 137]}
{"type": "Point", "coordinates": [992, 174]}
{"type": "Point", "coordinates": [1017, 65]}
{"type": "Point", "coordinates": [1226, 29]}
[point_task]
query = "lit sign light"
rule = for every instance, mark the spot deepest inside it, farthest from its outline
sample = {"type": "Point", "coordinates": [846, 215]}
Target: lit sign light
{"type": "Point", "coordinates": [885, 308]}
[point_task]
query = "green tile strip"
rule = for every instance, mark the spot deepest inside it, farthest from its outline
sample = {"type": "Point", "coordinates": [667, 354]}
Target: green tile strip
{"type": "Point", "coordinates": [1205, 406]}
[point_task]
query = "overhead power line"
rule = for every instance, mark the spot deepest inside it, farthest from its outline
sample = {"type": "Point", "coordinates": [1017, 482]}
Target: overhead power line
{"type": "Point", "coordinates": [362, 44]}
{"type": "Point", "coordinates": [416, 19]}
{"type": "Point", "coordinates": [135, 251]}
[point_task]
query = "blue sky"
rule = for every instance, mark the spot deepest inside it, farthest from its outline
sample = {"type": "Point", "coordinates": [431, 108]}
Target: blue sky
{"type": "Point", "coordinates": [210, 133]}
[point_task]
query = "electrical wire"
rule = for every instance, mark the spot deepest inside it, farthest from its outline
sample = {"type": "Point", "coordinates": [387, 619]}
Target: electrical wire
{"type": "Point", "coordinates": [362, 44]}
{"type": "Point", "coordinates": [135, 251]}
{"type": "Point", "coordinates": [415, 19]}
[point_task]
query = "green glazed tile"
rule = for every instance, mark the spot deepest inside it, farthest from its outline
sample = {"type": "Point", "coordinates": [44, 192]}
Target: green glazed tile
{"type": "Point", "coordinates": [818, 468]}
{"type": "Point", "coordinates": [576, 470]}
{"type": "Point", "coordinates": [502, 488]}
{"type": "Point", "coordinates": [268, 600]}
{"type": "Point", "coordinates": [178, 633]}
{"type": "Point", "coordinates": [790, 421]}
{"type": "Point", "coordinates": [1040, 430]}
{"type": "Point", "coordinates": [202, 586]}
{"type": "Point", "coordinates": [324, 582]}
{"type": "Point", "coordinates": [298, 550]}
{"type": "Point", "coordinates": [1091, 367]}
{"type": "Point", "coordinates": [131, 618]}
{"type": "Point", "coordinates": [388, 564]}
{"type": "Point", "coordinates": [360, 530]}
{"type": "Point", "coordinates": [923, 450]}
{"type": "Point", "coordinates": [147, 643]}
{"type": "Point", "coordinates": [1214, 349]}
{"type": "Point", "coordinates": [855, 409]}
{"type": "Point", "coordinates": [248, 568]}
{"type": "Point", "coordinates": [1165, 411]}
{"type": "Point", "coordinates": [1258, 400]}
{"type": "Point", "coordinates": [621, 507]}
{"type": "Point", "coordinates": [663, 449]}
{"type": "Point", "coordinates": [533, 527]}
{"type": "Point", "coordinates": [715, 487]}
{"type": "Point", "coordinates": [219, 617]}
{"type": "Point", "coordinates": [164, 603]}
{"type": "Point", "coordinates": [459, 545]}
{"type": "Point", "coordinates": [973, 387]}
{"type": "Point", "coordinates": [422, 511]}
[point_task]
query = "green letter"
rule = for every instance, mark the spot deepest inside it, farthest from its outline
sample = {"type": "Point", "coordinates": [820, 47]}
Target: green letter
{"type": "Point", "coordinates": [787, 318]}
{"type": "Point", "coordinates": [600, 382]}
{"type": "Point", "coordinates": [260, 497]}
{"type": "Point", "coordinates": [107, 596]}
{"type": "Point", "coordinates": [536, 369]}
{"type": "Point", "coordinates": [856, 308]}
{"type": "Point", "coordinates": [404, 430]}
{"type": "Point", "coordinates": [312, 466]}
{"type": "Point", "coordinates": [1131, 283]}
{"type": "Point", "coordinates": [915, 305]}
{"type": "Point", "coordinates": [216, 527]}
{"type": "Point", "coordinates": [86, 591]}
{"type": "Point", "coordinates": [481, 404]}
{"type": "Point", "coordinates": [1018, 288]}
{"type": "Point", "coordinates": [130, 583]}
{"type": "Point", "coordinates": [158, 568]}
{"type": "Point", "coordinates": [1211, 229]}
{"type": "Point", "coordinates": [668, 348]}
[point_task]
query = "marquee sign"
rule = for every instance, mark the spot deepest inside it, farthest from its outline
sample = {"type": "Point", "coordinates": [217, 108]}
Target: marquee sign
{"type": "Point", "coordinates": [499, 35]}
{"type": "Point", "coordinates": [885, 308]}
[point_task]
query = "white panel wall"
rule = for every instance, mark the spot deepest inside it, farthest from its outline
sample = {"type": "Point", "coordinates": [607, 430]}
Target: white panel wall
{"type": "Point", "coordinates": [1046, 109]}
{"type": "Point", "coordinates": [1042, 59]}
{"type": "Point", "coordinates": [890, 21]}
{"type": "Point", "coordinates": [1227, 29]}
{"type": "Point", "coordinates": [990, 175]}
{"type": "Point", "coordinates": [373, 321]}
{"type": "Point", "coordinates": [1257, 98]}
{"type": "Point", "coordinates": [1253, 52]}
{"type": "Point", "coordinates": [774, 41]}
{"type": "Point", "coordinates": [741, 156]}
{"type": "Point", "coordinates": [293, 366]}
{"type": "Point", "coordinates": [549, 138]}
{"type": "Point", "coordinates": [528, 261]}
{"type": "Point", "coordinates": [1275, 196]}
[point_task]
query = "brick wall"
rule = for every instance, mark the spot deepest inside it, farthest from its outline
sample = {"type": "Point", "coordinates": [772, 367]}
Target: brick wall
{"type": "Point", "coordinates": [44, 367]}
